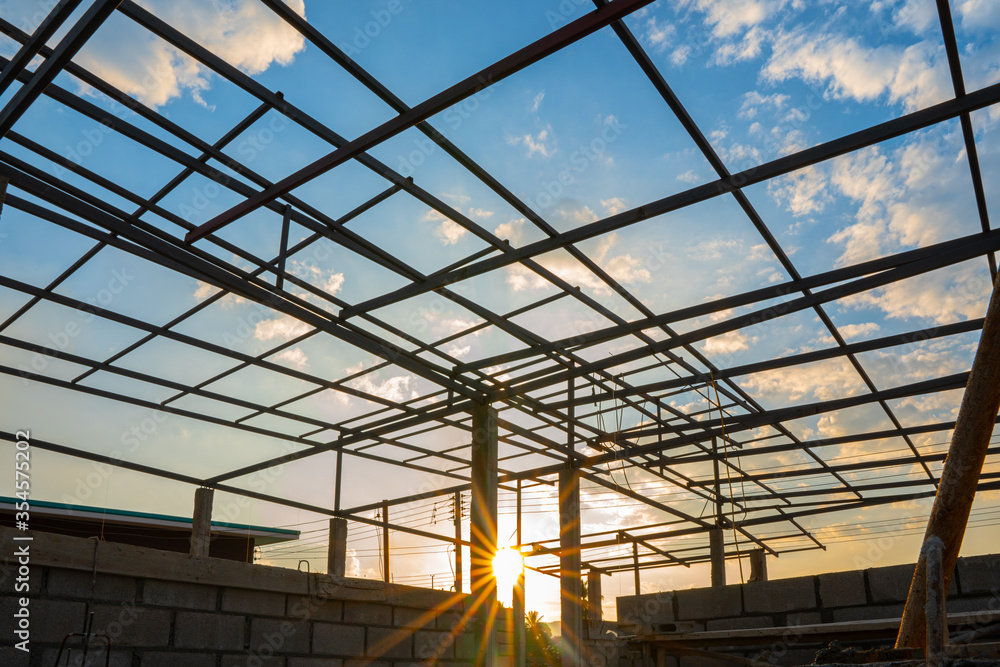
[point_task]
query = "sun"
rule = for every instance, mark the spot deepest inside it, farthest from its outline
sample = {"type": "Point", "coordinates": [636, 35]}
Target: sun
{"type": "Point", "coordinates": [507, 567]}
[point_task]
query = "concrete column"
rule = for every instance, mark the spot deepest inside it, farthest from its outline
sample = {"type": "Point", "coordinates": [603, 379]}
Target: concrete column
{"type": "Point", "coordinates": [520, 647]}
{"type": "Point", "coordinates": [595, 612]}
{"type": "Point", "coordinates": [483, 530]}
{"type": "Point", "coordinates": [569, 566]}
{"type": "Point", "coordinates": [960, 477]}
{"type": "Point", "coordinates": [336, 556]}
{"type": "Point", "coordinates": [758, 565]}
{"type": "Point", "coordinates": [201, 526]}
{"type": "Point", "coordinates": [717, 549]}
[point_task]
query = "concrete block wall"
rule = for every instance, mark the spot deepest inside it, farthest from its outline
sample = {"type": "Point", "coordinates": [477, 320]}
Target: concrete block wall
{"type": "Point", "coordinates": [875, 593]}
{"type": "Point", "coordinates": [163, 609]}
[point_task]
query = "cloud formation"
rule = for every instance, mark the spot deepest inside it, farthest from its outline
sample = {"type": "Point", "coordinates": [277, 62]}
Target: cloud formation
{"type": "Point", "coordinates": [243, 32]}
{"type": "Point", "coordinates": [623, 268]}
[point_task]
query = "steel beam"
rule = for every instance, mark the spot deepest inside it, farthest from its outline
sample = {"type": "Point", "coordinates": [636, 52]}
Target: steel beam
{"type": "Point", "coordinates": [20, 60]}
{"type": "Point", "coordinates": [897, 127]}
{"type": "Point", "coordinates": [72, 42]}
{"type": "Point", "coordinates": [562, 37]}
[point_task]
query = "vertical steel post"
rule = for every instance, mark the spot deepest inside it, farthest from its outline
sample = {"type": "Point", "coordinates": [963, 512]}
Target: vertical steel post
{"type": "Point", "coordinates": [635, 562]}
{"type": "Point", "coordinates": [458, 541]}
{"type": "Point", "coordinates": [385, 540]}
{"type": "Point", "coordinates": [338, 480]}
{"type": "Point", "coordinates": [519, 513]}
{"type": "Point", "coordinates": [286, 219]}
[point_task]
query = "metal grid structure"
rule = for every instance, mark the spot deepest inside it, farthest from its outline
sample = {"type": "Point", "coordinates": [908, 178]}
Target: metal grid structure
{"type": "Point", "coordinates": [561, 402]}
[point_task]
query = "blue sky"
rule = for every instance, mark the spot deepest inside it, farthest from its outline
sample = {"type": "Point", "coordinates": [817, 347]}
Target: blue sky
{"type": "Point", "coordinates": [579, 136]}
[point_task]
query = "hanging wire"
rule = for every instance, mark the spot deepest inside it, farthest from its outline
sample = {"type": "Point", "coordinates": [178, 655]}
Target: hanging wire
{"type": "Point", "coordinates": [725, 453]}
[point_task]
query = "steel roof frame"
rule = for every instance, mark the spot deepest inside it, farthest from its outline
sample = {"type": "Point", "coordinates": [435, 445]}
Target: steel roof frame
{"type": "Point", "coordinates": [553, 366]}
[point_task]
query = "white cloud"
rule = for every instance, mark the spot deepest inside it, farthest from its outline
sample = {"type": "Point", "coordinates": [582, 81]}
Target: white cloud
{"type": "Point", "coordinates": [802, 192]}
{"type": "Point", "coordinates": [659, 36]}
{"type": "Point", "coordinates": [396, 388]}
{"type": "Point", "coordinates": [911, 195]}
{"type": "Point", "coordinates": [450, 232]}
{"type": "Point", "coordinates": [510, 230]}
{"type": "Point", "coordinates": [737, 27]}
{"type": "Point", "coordinates": [979, 13]}
{"type": "Point", "coordinates": [863, 330]}
{"type": "Point", "coordinates": [522, 279]}
{"type": "Point", "coordinates": [951, 294]}
{"type": "Point", "coordinates": [689, 177]}
{"type": "Point", "coordinates": [243, 32]}
{"type": "Point", "coordinates": [754, 103]}
{"type": "Point", "coordinates": [712, 249]}
{"type": "Point", "coordinates": [538, 143]}
{"type": "Point", "coordinates": [922, 361]}
{"type": "Point", "coordinates": [623, 268]}
{"type": "Point", "coordinates": [915, 76]}
{"type": "Point", "coordinates": [293, 356]}
{"type": "Point", "coordinates": [680, 55]}
{"type": "Point", "coordinates": [204, 290]}
{"type": "Point", "coordinates": [730, 18]}
{"type": "Point", "coordinates": [283, 327]}
{"type": "Point", "coordinates": [457, 350]}
{"type": "Point", "coordinates": [917, 15]}
{"type": "Point", "coordinates": [326, 279]}
{"type": "Point", "coordinates": [614, 205]}
{"type": "Point", "coordinates": [479, 213]}
{"type": "Point", "coordinates": [537, 101]}
{"type": "Point", "coordinates": [746, 48]}
{"type": "Point", "coordinates": [822, 381]}
{"type": "Point", "coordinates": [727, 343]}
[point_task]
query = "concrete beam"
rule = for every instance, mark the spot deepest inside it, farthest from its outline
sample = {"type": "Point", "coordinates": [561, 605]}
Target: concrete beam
{"type": "Point", "coordinates": [201, 527]}
{"type": "Point", "coordinates": [483, 530]}
{"type": "Point", "coordinates": [336, 558]}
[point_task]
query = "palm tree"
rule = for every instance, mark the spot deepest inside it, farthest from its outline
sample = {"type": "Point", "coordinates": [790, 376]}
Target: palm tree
{"type": "Point", "coordinates": [538, 641]}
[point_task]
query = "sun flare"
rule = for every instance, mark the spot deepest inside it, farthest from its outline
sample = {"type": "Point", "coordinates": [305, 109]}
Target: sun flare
{"type": "Point", "coordinates": [507, 567]}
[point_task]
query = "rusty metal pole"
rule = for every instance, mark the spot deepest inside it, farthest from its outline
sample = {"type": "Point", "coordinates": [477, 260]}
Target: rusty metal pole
{"type": "Point", "coordinates": [960, 477]}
